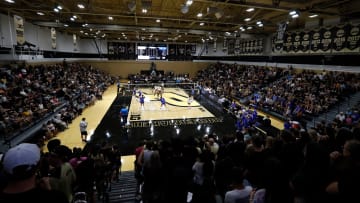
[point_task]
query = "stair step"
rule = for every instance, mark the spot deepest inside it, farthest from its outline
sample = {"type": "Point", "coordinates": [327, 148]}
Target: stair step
{"type": "Point", "coordinates": [124, 191]}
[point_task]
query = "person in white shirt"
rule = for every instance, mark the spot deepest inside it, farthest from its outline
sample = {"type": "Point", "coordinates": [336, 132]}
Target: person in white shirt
{"type": "Point", "coordinates": [240, 193]}
{"type": "Point", "coordinates": [83, 130]}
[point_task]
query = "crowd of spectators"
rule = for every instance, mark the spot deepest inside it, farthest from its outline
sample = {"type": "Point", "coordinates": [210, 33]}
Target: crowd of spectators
{"type": "Point", "coordinates": [295, 166]}
{"type": "Point", "coordinates": [288, 92]}
{"type": "Point", "coordinates": [236, 81]}
{"type": "Point", "coordinates": [306, 92]}
{"type": "Point", "coordinates": [73, 175]}
{"type": "Point", "coordinates": [29, 93]}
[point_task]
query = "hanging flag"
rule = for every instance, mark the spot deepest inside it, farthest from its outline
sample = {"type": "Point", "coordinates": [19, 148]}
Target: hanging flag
{"type": "Point", "coordinates": [53, 38]}
{"type": "Point", "coordinates": [19, 29]}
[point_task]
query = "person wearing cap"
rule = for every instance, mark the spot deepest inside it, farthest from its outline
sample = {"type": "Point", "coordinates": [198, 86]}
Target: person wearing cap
{"type": "Point", "coordinates": [20, 165]}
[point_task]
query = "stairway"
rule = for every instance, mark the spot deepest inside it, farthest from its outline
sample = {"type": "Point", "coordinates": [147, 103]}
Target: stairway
{"type": "Point", "coordinates": [343, 106]}
{"type": "Point", "coordinates": [124, 190]}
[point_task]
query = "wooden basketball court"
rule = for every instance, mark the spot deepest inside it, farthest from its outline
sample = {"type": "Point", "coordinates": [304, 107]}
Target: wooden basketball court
{"type": "Point", "coordinates": [177, 106]}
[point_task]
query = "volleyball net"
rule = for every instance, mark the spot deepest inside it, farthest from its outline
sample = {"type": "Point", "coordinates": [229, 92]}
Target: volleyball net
{"type": "Point", "coordinates": [127, 89]}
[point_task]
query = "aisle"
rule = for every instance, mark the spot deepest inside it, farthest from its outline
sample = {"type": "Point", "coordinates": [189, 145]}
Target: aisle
{"type": "Point", "coordinates": [93, 114]}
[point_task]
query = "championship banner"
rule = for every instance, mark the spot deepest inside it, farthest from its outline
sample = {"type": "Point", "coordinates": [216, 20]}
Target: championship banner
{"type": "Point", "coordinates": [315, 41]}
{"type": "Point", "coordinates": [215, 47]}
{"type": "Point", "coordinates": [19, 30]}
{"type": "Point", "coordinates": [340, 34]}
{"type": "Point", "coordinates": [193, 49]}
{"type": "Point", "coordinates": [288, 44]}
{"type": "Point", "coordinates": [242, 47]}
{"type": "Point", "coordinates": [353, 40]}
{"type": "Point", "coordinates": [75, 42]}
{"type": "Point", "coordinates": [304, 42]}
{"type": "Point", "coordinates": [237, 45]}
{"type": "Point", "coordinates": [231, 46]}
{"type": "Point", "coordinates": [251, 46]}
{"type": "Point", "coordinates": [326, 41]}
{"type": "Point", "coordinates": [260, 46]}
{"type": "Point", "coordinates": [53, 38]}
{"type": "Point", "coordinates": [131, 48]}
{"type": "Point", "coordinates": [278, 45]}
{"type": "Point", "coordinates": [296, 42]}
{"type": "Point", "coordinates": [225, 44]}
{"type": "Point", "coordinates": [110, 48]}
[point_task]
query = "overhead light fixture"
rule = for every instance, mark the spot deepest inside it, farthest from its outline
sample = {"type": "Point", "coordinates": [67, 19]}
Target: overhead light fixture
{"type": "Point", "coordinates": [202, 24]}
{"type": "Point", "coordinates": [10, 1]}
{"type": "Point", "coordinates": [219, 14]}
{"type": "Point", "coordinates": [72, 19]}
{"type": "Point", "coordinates": [292, 13]}
{"type": "Point", "coordinates": [250, 10]}
{"type": "Point", "coordinates": [81, 6]}
{"type": "Point", "coordinates": [189, 2]}
{"type": "Point", "coordinates": [295, 16]}
{"type": "Point", "coordinates": [56, 10]}
{"type": "Point", "coordinates": [110, 18]}
{"type": "Point", "coordinates": [199, 15]}
{"type": "Point", "coordinates": [313, 16]}
{"type": "Point", "coordinates": [247, 19]}
{"type": "Point", "coordinates": [59, 7]}
{"type": "Point", "coordinates": [40, 13]}
{"type": "Point", "coordinates": [158, 20]}
{"type": "Point", "coordinates": [258, 22]}
{"type": "Point", "coordinates": [144, 10]}
{"type": "Point", "coordinates": [249, 28]}
{"type": "Point", "coordinates": [74, 16]}
{"type": "Point", "coordinates": [66, 25]}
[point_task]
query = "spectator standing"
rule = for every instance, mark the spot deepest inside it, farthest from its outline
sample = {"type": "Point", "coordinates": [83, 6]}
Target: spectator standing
{"type": "Point", "coordinates": [21, 165]}
{"type": "Point", "coordinates": [83, 129]}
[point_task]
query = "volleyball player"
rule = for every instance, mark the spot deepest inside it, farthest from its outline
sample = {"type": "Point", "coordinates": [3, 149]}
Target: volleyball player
{"type": "Point", "coordinates": [142, 101]}
{"type": "Point", "coordinates": [163, 103]}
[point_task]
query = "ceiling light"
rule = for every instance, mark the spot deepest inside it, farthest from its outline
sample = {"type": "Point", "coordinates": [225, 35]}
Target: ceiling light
{"type": "Point", "coordinates": [10, 1]}
{"type": "Point", "coordinates": [40, 13]}
{"type": "Point", "coordinates": [56, 10]}
{"type": "Point", "coordinates": [292, 12]}
{"type": "Point", "coordinates": [189, 2]}
{"type": "Point", "coordinates": [144, 10]}
{"type": "Point", "coordinates": [81, 6]}
{"type": "Point", "coordinates": [74, 16]}
{"type": "Point", "coordinates": [59, 7]}
{"type": "Point", "coordinates": [241, 28]}
{"type": "Point", "coordinates": [158, 20]}
{"type": "Point", "coordinates": [250, 9]}
{"type": "Point", "coordinates": [258, 22]}
{"type": "Point", "coordinates": [66, 25]}
{"type": "Point", "coordinates": [72, 19]}
{"type": "Point", "coordinates": [295, 16]}
{"type": "Point", "coordinates": [261, 25]}
{"type": "Point", "coordinates": [201, 24]}
{"type": "Point", "coordinates": [247, 19]}
{"type": "Point", "coordinates": [185, 41]}
{"type": "Point", "coordinates": [199, 15]}
{"type": "Point", "coordinates": [249, 28]}
{"type": "Point", "coordinates": [81, 31]}
{"type": "Point", "coordinates": [313, 16]}
{"type": "Point", "coordinates": [110, 18]}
